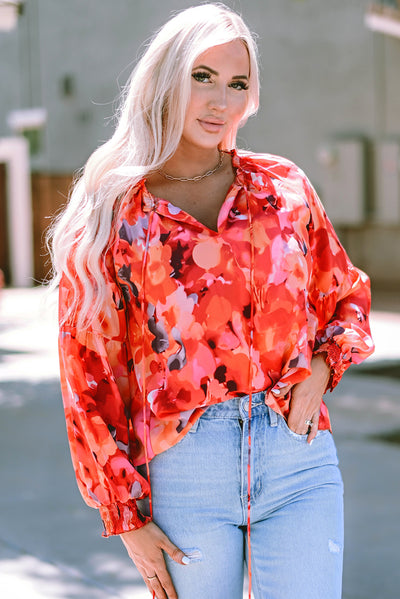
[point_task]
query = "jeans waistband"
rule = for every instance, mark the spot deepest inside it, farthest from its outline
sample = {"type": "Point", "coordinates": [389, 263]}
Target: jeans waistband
{"type": "Point", "coordinates": [238, 408]}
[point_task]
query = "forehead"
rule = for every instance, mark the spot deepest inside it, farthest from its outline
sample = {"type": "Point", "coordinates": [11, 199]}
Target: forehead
{"type": "Point", "coordinates": [232, 55]}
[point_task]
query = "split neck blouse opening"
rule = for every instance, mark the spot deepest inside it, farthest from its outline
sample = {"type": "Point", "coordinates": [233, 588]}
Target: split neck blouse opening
{"type": "Point", "coordinates": [230, 195]}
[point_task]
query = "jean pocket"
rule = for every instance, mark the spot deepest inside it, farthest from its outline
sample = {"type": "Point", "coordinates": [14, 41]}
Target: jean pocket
{"type": "Point", "coordinates": [297, 436]}
{"type": "Point", "coordinates": [284, 425]}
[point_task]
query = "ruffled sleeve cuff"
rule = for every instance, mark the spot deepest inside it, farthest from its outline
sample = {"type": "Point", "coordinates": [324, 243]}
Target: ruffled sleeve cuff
{"type": "Point", "coordinates": [336, 362]}
{"type": "Point", "coordinates": [121, 517]}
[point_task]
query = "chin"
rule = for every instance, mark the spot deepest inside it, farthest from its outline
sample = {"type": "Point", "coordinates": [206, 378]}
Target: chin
{"type": "Point", "coordinates": [208, 141]}
{"type": "Point", "coordinates": [211, 145]}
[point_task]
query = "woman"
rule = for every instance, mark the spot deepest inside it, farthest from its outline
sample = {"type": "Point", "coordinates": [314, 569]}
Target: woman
{"type": "Point", "coordinates": [206, 305]}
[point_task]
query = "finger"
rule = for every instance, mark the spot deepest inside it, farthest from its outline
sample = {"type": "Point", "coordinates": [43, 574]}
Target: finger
{"type": "Point", "coordinates": [162, 581]}
{"type": "Point", "coordinates": [313, 430]}
{"type": "Point", "coordinates": [281, 391]}
{"type": "Point", "coordinates": [167, 586]}
{"type": "Point", "coordinates": [148, 585]}
{"type": "Point", "coordinates": [148, 581]}
{"type": "Point", "coordinates": [301, 425]}
{"type": "Point", "coordinates": [174, 552]}
{"type": "Point", "coordinates": [297, 421]}
{"type": "Point", "coordinates": [157, 588]}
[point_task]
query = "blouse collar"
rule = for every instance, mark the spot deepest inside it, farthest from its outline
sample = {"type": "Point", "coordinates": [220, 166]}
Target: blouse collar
{"type": "Point", "coordinates": [251, 174]}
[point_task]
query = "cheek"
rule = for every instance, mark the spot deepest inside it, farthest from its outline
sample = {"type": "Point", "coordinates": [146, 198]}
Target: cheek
{"type": "Point", "coordinates": [198, 95]}
{"type": "Point", "coordinates": [193, 110]}
{"type": "Point", "coordinates": [239, 107]}
{"type": "Point", "coordinates": [193, 102]}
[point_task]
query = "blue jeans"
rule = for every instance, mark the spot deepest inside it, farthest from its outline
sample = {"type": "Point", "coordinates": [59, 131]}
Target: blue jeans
{"type": "Point", "coordinates": [199, 490]}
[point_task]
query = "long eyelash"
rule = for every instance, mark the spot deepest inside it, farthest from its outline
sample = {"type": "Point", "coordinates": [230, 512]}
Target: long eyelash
{"type": "Point", "coordinates": [201, 75]}
{"type": "Point", "coordinates": [242, 84]}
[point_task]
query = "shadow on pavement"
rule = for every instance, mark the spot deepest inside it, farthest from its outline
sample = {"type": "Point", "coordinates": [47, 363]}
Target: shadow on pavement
{"type": "Point", "coordinates": [48, 535]}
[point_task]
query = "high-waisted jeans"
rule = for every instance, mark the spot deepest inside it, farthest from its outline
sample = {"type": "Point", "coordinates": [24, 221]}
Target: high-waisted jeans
{"type": "Point", "coordinates": [199, 490]}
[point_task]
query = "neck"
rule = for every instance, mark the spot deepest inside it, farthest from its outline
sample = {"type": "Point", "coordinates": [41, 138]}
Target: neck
{"type": "Point", "coordinates": [190, 163]}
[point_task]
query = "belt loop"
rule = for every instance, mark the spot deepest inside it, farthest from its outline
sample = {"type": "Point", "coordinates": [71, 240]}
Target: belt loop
{"type": "Point", "coordinates": [273, 417]}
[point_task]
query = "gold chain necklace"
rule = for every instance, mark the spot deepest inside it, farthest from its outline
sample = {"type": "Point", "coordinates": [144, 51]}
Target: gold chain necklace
{"type": "Point", "coordinates": [199, 177]}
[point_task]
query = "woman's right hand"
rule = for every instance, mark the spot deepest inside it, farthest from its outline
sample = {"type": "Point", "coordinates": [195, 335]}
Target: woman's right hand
{"type": "Point", "coordinates": [145, 547]}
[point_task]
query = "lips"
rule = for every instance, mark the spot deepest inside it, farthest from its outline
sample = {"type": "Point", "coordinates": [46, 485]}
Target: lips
{"type": "Point", "coordinates": [211, 125]}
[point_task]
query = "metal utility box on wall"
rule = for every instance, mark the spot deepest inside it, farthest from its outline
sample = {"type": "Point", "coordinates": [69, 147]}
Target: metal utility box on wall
{"type": "Point", "coordinates": [387, 182]}
{"type": "Point", "coordinates": [343, 180]}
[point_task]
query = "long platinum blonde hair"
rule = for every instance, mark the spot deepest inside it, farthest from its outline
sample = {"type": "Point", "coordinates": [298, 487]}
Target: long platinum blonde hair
{"type": "Point", "coordinates": [150, 124]}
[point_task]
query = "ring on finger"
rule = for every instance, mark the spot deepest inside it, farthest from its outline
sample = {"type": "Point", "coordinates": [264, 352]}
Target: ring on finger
{"type": "Point", "coordinates": [308, 422]}
{"type": "Point", "coordinates": [151, 577]}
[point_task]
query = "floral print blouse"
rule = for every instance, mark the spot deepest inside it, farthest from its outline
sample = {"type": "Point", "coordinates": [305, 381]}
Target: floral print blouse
{"type": "Point", "coordinates": [196, 316]}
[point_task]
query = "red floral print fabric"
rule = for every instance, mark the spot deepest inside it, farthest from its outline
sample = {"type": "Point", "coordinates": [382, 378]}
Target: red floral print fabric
{"type": "Point", "coordinates": [176, 331]}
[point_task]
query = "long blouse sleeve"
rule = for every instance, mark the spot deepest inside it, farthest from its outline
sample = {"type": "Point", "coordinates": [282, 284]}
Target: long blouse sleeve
{"type": "Point", "coordinates": [95, 382]}
{"type": "Point", "coordinates": [339, 295]}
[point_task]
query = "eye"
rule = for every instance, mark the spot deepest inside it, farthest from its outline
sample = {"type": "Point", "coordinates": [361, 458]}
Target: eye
{"type": "Point", "coordinates": [202, 76]}
{"type": "Point", "coordinates": [239, 85]}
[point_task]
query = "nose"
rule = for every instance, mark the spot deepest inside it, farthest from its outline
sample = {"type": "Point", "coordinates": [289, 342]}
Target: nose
{"type": "Point", "coordinates": [218, 100]}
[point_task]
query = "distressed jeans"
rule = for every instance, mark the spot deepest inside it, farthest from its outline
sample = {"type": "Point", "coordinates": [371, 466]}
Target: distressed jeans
{"type": "Point", "coordinates": [199, 490]}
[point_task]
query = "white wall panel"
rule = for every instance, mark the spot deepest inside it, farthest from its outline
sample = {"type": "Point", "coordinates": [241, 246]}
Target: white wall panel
{"type": "Point", "coordinates": [343, 181]}
{"type": "Point", "coordinates": [387, 182]}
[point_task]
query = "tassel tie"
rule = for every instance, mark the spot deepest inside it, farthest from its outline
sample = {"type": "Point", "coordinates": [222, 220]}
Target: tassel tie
{"type": "Point", "coordinates": [250, 382]}
{"type": "Point", "coordinates": [144, 389]}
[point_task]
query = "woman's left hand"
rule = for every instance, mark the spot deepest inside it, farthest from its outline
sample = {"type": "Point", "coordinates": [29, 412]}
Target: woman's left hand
{"type": "Point", "coordinates": [305, 403]}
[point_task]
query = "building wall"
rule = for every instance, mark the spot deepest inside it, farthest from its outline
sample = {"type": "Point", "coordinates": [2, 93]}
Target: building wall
{"type": "Point", "coordinates": [323, 75]}
{"type": "Point", "coordinates": [4, 249]}
{"type": "Point", "coordinates": [316, 58]}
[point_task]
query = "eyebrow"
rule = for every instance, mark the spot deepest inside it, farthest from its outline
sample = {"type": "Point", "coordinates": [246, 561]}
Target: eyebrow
{"type": "Point", "coordinates": [203, 66]}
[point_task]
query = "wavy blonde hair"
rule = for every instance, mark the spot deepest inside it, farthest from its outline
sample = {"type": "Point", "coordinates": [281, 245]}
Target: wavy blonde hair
{"type": "Point", "coordinates": [150, 122]}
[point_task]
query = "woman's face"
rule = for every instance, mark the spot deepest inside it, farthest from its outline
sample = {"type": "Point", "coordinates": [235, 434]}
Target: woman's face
{"type": "Point", "coordinates": [219, 95]}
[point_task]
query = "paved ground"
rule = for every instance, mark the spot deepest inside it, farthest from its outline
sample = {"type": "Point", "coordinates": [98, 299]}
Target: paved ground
{"type": "Point", "coordinates": [50, 543]}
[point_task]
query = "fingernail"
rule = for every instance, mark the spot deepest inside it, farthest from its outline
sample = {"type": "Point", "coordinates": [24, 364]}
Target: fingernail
{"type": "Point", "coordinates": [311, 442]}
{"type": "Point", "coordinates": [185, 560]}
{"type": "Point", "coordinates": [276, 391]}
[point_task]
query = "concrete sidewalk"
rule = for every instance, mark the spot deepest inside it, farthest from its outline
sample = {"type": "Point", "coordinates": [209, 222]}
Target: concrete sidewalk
{"type": "Point", "coordinates": [50, 542]}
